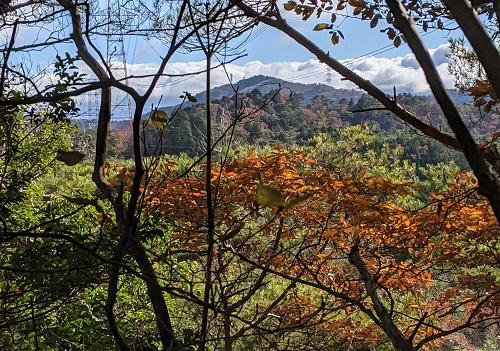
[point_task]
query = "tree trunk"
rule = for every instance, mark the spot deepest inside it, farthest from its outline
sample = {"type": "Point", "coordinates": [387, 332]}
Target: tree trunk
{"type": "Point", "coordinates": [156, 297]}
{"type": "Point", "coordinates": [489, 184]}
{"type": "Point", "coordinates": [398, 340]}
{"type": "Point", "coordinates": [228, 339]}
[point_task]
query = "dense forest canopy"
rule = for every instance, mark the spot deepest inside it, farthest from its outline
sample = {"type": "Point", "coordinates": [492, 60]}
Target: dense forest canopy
{"type": "Point", "coordinates": [252, 219]}
{"type": "Point", "coordinates": [287, 119]}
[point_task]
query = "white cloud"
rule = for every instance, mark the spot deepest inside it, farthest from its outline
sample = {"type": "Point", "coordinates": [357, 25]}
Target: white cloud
{"type": "Point", "coordinates": [404, 72]}
{"type": "Point", "coordinates": [438, 55]}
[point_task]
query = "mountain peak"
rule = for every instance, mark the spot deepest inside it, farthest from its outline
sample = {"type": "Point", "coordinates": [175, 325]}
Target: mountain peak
{"type": "Point", "coordinates": [266, 84]}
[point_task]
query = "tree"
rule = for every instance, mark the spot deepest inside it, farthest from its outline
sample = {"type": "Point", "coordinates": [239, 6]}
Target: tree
{"type": "Point", "coordinates": [470, 76]}
{"type": "Point", "coordinates": [399, 16]}
{"type": "Point", "coordinates": [252, 261]}
{"type": "Point", "coordinates": [35, 141]}
{"type": "Point", "coordinates": [310, 226]}
{"type": "Point", "coordinates": [125, 197]}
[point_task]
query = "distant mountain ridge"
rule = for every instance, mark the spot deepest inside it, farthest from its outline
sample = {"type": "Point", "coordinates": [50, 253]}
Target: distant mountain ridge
{"type": "Point", "coordinates": [266, 84]}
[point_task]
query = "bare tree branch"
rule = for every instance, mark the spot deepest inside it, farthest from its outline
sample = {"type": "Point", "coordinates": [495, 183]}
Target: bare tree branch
{"type": "Point", "coordinates": [399, 341]}
{"type": "Point", "coordinates": [484, 48]}
{"type": "Point", "coordinates": [489, 185]}
{"type": "Point", "coordinates": [364, 84]}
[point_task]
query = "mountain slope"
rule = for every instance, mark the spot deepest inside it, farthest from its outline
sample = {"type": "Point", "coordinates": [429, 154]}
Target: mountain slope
{"type": "Point", "coordinates": [265, 84]}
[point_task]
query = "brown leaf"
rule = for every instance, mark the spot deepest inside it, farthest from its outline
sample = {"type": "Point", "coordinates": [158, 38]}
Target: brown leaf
{"type": "Point", "coordinates": [335, 39]}
{"type": "Point", "coordinates": [397, 41]}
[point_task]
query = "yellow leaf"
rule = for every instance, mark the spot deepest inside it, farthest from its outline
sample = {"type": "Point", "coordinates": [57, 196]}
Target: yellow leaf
{"type": "Point", "coordinates": [159, 119]}
{"type": "Point", "coordinates": [321, 26]}
{"type": "Point", "coordinates": [267, 196]}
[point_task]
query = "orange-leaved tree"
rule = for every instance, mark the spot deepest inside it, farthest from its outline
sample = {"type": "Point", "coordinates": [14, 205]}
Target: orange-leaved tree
{"type": "Point", "coordinates": [360, 265]}
{"type": "Point", "coordinates": [399, 20]}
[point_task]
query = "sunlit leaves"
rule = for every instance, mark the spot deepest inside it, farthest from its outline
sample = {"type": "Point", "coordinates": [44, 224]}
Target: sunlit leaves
{"type": "Point", "coordinates": [271, 197]}
{"type": "Point", "coordinates": [287, 194]}
{"type": "Point", "coordinates": [321, 26]}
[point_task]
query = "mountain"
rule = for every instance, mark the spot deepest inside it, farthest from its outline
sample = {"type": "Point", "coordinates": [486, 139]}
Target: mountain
{"type": "Point", "coordinates": [266, 84]}
{"type": "Point", "coordinates": [288, 118]}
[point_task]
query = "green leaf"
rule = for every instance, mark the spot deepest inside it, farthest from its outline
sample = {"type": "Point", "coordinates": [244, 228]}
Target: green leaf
{"type": "Point", "coordinates": [321, 26]}
{"type": "Point", "coordinates": [298, 200]}
{"type": "Point", "coordinates": [70, 158]}
{"type": "Point", "coordinates": [81, 201]}
{"type": "Point", "coordinates": [267, 196]}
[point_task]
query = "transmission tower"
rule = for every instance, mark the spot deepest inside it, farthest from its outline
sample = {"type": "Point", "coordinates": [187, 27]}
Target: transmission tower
{"type": "Point", "coordinates": [118, 20]}
{"type": "Point", "coordinates": [328, 76]}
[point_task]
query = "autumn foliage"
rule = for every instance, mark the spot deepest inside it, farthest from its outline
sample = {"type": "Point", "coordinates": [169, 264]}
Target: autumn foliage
{"type": "Point", "coordinates": [434, 266]}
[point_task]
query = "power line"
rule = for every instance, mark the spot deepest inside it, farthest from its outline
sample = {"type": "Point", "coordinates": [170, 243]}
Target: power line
{"type": "Point", "coordinates": [355, 60]}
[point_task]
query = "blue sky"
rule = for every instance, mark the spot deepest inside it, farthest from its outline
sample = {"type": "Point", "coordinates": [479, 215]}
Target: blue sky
{"type": "Point", "coordinates": [272, 53]}
{"type": "Point", "coordinates": [269, 45]}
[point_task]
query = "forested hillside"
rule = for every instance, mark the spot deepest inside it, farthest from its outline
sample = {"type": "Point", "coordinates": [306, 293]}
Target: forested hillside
{"type": "Point", "coordinates": [286, 118]}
